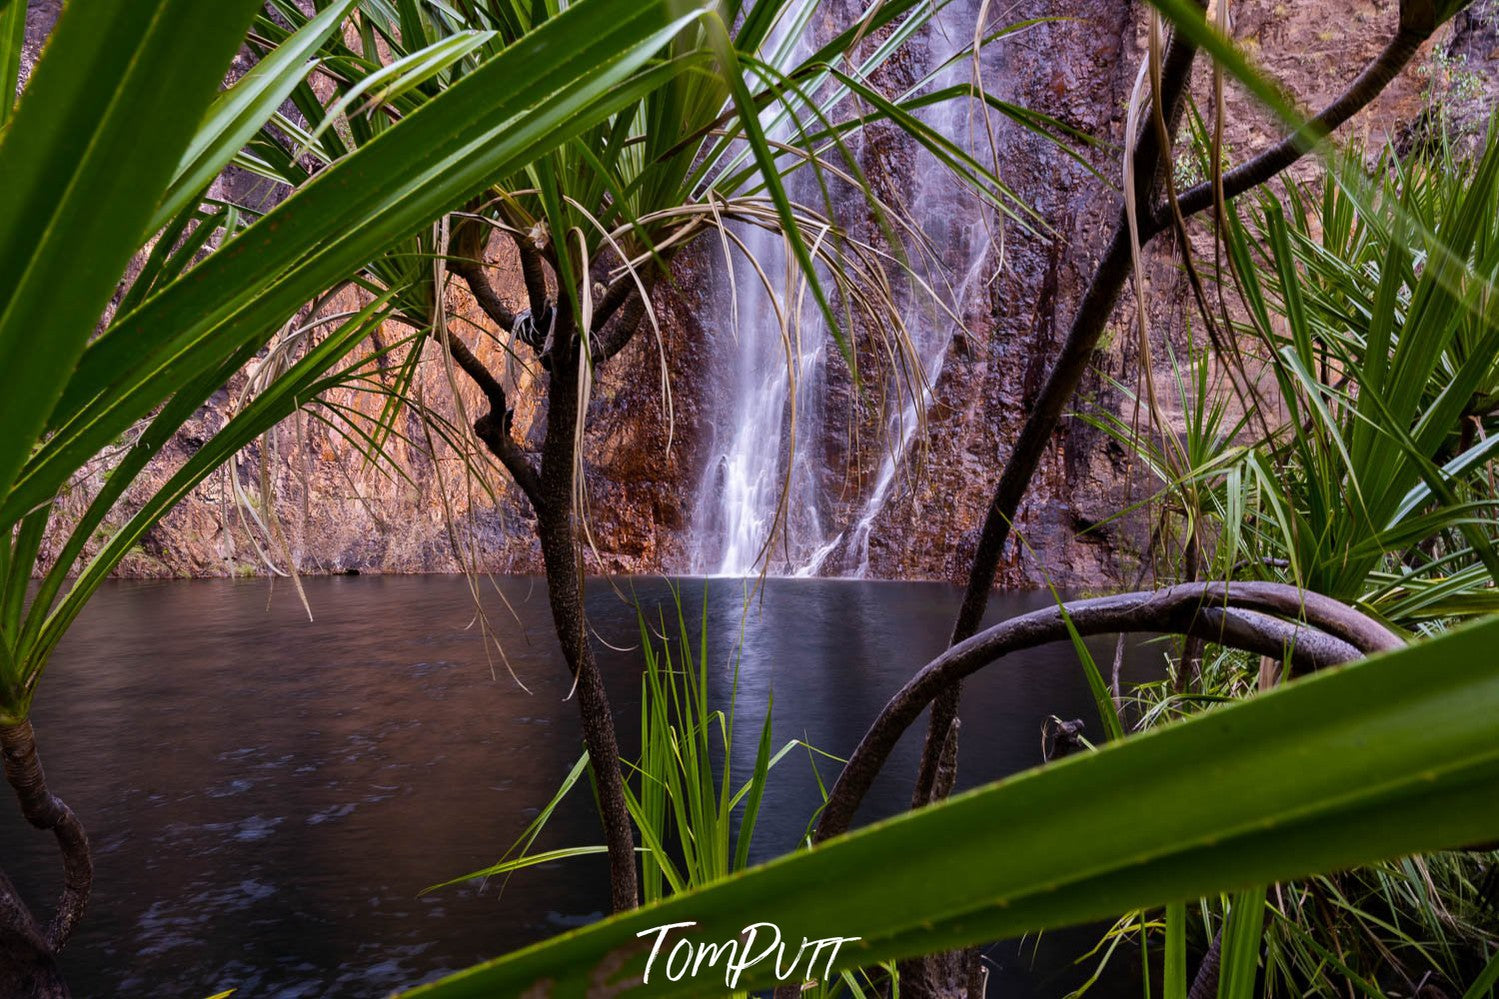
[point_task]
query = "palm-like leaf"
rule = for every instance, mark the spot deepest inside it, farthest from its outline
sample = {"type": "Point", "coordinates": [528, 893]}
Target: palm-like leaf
{"type": "Point", "coordinates": [1383, 341]}
{"type": "Point", "coordinates": [190, 324]}
{"type": "Point", "coordinates": [709, 137]}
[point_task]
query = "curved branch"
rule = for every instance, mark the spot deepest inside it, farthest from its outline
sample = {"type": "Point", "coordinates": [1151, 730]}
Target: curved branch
{"type": "Point", "coordinates": [1097, 307]}
{"type": "Point", "coordinates": [608, 339]}
{"type": "Point", "coordinates": [616, 337]}
{"type": "Point", "coordinates": [1093, 314]}
{"type": "Point", "coordinates": [46, 811]}
{"type": "Point", "coordinates": [1242, 615]}
{"type": "Point", "coordinates": [534, 272]}
{"type": "Point", "coordinates": [617, 294]}
{"type": "Point", "coordinates": [1307, 647]}
{"type": "Point", "coordinates": [472, 272]}
{"type": "Point", "coordinates": [468, 245]}
{"type": "Point", "coordinates": [1098, 302]}
{"type": "Point", "coordinates": [493, 428]}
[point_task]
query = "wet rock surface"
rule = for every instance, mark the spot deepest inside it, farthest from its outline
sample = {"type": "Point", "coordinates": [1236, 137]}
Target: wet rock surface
{"type": "Point", "coordinates": [646, 455]}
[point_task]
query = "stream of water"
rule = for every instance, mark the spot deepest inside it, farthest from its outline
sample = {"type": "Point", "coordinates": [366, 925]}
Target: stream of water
{"type": "Point", "coordinates": [269, 796]}
{"type": "Point", "coordinates": [766, 470]}
{"type": "Point", "coordinates": [767, 424]}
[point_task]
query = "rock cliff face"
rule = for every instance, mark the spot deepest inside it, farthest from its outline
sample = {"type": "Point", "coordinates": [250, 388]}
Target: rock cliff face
{"type": "Point", "coordinates": [1081, 71]}
{"type": "Point", "coordinates": [339, 513]}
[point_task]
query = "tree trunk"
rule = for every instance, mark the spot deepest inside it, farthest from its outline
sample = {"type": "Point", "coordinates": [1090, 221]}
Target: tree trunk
{"type": "Point", "coordinates": [560, 552]}
{"type": "Point", "coordinates": [551, 495]}
{"type": "Point", "coordinates": [1205, 985]}
{"type": "Point", "coordinates": [26, 973]}
{"type": "Point", "coordinates": [563, 559]}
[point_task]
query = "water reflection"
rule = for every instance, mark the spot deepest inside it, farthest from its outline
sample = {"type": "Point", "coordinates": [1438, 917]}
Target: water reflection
{"type": "Point", "coordinates": [268, 796]}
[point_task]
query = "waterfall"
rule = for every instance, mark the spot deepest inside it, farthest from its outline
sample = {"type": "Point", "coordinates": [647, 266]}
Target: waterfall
{"type": "Point", "coordinates": [957, 225]}
{"type": "Point", "coordinates": [743, 484]}
{"type": "Point", "coordinates": [770, 414]}
{"type": "Point", "coordinates": [754, 454]}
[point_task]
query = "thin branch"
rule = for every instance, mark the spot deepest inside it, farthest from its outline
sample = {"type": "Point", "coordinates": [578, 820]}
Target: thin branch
{"type": "Point", "coordinates": [616, 336]}
{"type": "Point", "coordinates": [534, 272]}
{"type": "Point", "coordinates": [493, 428]}
{"type": "Point", "coordinates": [624, 303]}
{"type": "Point", "coordinates": [1263, 167]}
{"type": "Point", "coordinates": [616, 295]}
{"type": "Point", "coordinates": [472, 272]}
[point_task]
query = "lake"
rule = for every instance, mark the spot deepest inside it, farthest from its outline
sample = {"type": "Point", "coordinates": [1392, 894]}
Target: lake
{"type": "Point", "coordinates": [268, 796]}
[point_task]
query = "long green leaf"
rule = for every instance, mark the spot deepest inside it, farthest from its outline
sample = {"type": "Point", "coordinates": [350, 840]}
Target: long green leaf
{"type": "Point", "coordinates": [517, 106]}
{"type": "Point", "coordinates": [1175, 972]}
{"type": "Point", "coordinates": [239, 112]}
{"type": "Point", "coordinates": [1103, 700]}
{"type": "Point", "coordinates": [403, 75]}
{"type": "Point", "coordinates": [1241, 944]}
{"type": "Point", "coordinates": [305, 380]}
{"type": "Point", "coordinates": [108, 111]}
{"type": "Point", "coordinates": [1483, 985]}
{"type": "Point", "coordinates": [12, 38]}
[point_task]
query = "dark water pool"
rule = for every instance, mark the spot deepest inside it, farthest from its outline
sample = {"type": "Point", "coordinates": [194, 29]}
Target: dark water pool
{"type": "Point", "coordinates": [267, 796]}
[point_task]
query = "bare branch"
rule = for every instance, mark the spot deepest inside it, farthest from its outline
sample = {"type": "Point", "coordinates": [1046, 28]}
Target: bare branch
{"type": "Point", "coordinates": [622, 298]}
{"type": "Point", "coordinates": [493, 428]}
{"type": "Point", "coordinates": [1249, 616]}
{"type": "Point", "coordinates": [1263, 167]}
{"type": "Point", "coordinates": [472, 272]}
{"type": "Point", "coordinates": [622, 290]}
{"type": "Point", "coordinates": [617, 336]}
{"type": "Point", "coordinates": [532, 270]}
{"type": "Point", "coordinates": [466, 248]}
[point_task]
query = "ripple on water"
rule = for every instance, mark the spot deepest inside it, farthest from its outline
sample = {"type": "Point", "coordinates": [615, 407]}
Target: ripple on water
{"type": "Point", "coordinates": [328, 814]}
{"type": "Point", "coordinates": [573, 921]}
{"type": "Point", "coordinates": [238, 785]}
{"type": "Point", "coordinates": [252, 829]}
{"type": "Point", "coordinates": [164, 926]}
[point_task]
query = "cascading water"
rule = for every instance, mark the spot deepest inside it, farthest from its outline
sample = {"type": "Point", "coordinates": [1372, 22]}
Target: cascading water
{"type": "Point", "coordinates": [778, 375]}
{"type": "Point", "coordinates": [960, 230]}
{"type": "Point", "coordinates": [771, 414]}
{"type": "Point", "coordinates": [764, 456]}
